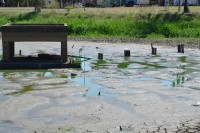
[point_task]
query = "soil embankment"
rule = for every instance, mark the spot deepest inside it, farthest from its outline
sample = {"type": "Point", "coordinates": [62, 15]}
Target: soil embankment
{"type": "Point", "coordinates": [161, 42]}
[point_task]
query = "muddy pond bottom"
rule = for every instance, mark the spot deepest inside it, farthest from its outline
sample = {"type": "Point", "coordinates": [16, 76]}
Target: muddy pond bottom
{"type": "Point", "coordinates": [140, 93]}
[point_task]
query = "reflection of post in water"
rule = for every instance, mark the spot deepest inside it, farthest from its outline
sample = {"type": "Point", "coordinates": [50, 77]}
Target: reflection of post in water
{"type": "Point", "coordinates": [84, 62]}
{"type": "Point", "coordinates": [183, 79]}
{"type": "Point", "coordinates": [182, 59]}
{"type": "Point", "coordinates": [174, 84]}
{"type": "Point", "coordinates": [180, 79]}
{"type": "Point", "coordinates": [84, 81]}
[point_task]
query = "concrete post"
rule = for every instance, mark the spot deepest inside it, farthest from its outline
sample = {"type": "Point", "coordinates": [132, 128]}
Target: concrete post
{"type": "Point", "coordinates": [100, 56]}
{"type": "Point", "coordinates": [180, 48]}
{"type": "Point", "coordinates": [64, 51]}
{"type": "Point", "coordinates": [127, 52]}
{"type": "Point", "coordinates": [12, 49]}
{"type": "Point", "coordinates": [153, 50]}
{"type": "Point", "coordinates": [8, 50]}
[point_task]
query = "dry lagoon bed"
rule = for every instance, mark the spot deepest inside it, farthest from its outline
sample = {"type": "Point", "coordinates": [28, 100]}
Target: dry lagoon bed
{"type": "Point", "coordinates": [141, 93]}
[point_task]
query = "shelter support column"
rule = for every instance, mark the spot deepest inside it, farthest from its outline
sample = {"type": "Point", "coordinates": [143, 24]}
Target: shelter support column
{"type": "Point", "coordinates": [64, 51]}
{"type": "Point", "coordinates": [8, 50]}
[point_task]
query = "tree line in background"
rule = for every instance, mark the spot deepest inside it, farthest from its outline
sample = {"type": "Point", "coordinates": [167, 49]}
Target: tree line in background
{"type": "Point", "coordinates": [26, 3]}
{"type": "Point", "coordinates": [40, 3]}
{"type": "Point", "coordinates": [29, 3]}
{"type": "Point", "coordinates": [21, 3]}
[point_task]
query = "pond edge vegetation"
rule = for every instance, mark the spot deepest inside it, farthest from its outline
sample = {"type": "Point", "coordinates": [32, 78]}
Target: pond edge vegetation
{"type": "Point", "coordinates": [163, 26]}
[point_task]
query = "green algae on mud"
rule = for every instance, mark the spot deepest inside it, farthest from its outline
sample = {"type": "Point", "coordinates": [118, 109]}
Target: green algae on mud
{"type": "Point", "coordinates": [100, 62]}
{"type": "Point", "coordinates": [15, 75]}
{"type": "Point", "coordinates": [24, 90]}
{"type": "Point", "coordinates": [180, 78]}
{"type": "Point", "coordinates": [38, 72]}
{"type": "Point", "coordinates": [119, 64]}
{"type": "Point", "coordinates": [126, 64]}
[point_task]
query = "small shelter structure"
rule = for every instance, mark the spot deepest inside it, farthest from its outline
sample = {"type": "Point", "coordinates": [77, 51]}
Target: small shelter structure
{"type": "Point", "coordinates": [12, 33]}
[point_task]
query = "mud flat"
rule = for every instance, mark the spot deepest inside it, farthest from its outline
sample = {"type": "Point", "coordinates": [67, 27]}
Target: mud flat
{"type": "Point", "coordinates": [140, 93]}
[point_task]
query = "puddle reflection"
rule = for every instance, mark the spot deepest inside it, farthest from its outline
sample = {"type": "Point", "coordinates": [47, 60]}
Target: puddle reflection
{"type": "Point", "coordinates": [93, 87]}
{"type": "Point", "coordinates": [180, 79]}
{"type": "Point", "coordinates": [85, 65]}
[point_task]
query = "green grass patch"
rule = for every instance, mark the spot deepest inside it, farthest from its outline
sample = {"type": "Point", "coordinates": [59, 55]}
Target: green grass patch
{"type": "Point", "coordinates": [142, 25]}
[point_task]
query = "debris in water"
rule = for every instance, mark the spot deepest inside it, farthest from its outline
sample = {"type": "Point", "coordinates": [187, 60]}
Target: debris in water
{"type": "Point", "coordinates": [120, 128]}
{"type": "Point", "coordinates": [73, 74]}
{"type": "Point", "coordinates": [197, 104]}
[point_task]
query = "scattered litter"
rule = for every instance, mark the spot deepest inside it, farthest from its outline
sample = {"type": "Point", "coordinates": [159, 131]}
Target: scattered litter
{"type": "Point", "coordinates": [197, 104]}
{"type": "Point", "coordinates": [120, 128]}
{"type": "Point", "coordinates": [73, 74]}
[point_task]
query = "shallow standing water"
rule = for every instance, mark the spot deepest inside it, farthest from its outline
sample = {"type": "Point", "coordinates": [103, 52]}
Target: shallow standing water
{"type": "Point", "coordinates": [139, 93]}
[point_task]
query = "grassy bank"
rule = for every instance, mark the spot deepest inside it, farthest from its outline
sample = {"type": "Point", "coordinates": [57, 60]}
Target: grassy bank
{"type": "Point", "coordinates": [157, 24]}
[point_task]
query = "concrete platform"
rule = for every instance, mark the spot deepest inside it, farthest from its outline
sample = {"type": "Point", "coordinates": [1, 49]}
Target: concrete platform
{"type": "Point", "coordinates": [42, 61]}
{"type": "Point", "coordinates": [12, 33]}
{"type": "Point", "coordinates": [32, 65]}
